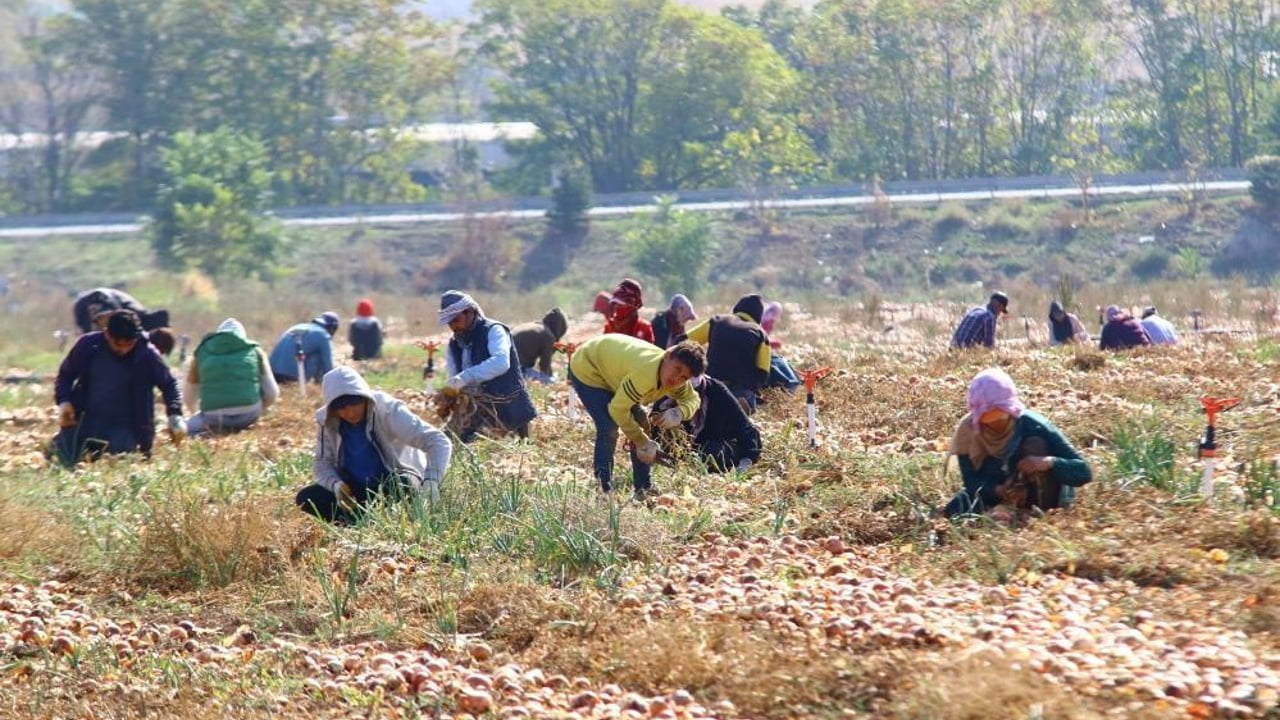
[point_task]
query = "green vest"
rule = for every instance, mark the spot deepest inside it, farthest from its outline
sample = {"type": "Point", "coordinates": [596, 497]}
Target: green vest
{"type": "Point", "coordinates": [230, 370]}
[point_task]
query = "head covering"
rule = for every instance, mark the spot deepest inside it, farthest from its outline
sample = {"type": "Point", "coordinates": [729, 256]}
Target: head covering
{"type": "Point", "coordinates": [682, 309]}
{"type": "Point", "coordinates": [329, 320]}
{"type": "Point", "coordinates": [455, 302]}
{"type": "Point", "coordinates": [752, 305]}
{"type": "Point", "coordinates": [991, 389]}
{"type": "Point", "coordinates": [1062, 330]}
{"type": "Point", "coordinates": [364, 308]}
{"type": "Point", "coordinates": [124, 325]}
{"type": "Point", "coordinates": [1148, 311]}
{"type": "Point", "coordinates": [1112, 312]}
{"type": "Point", "coordinates": [772, 312]}
{"type": "Point", "coordinates": [232, 326]}
{"type": "Point", "coordinates": [1000, 299]}
{"type": "Point", "coordinates": [629, 293]}
{"type": "Point", "coordinates": [601, 303]}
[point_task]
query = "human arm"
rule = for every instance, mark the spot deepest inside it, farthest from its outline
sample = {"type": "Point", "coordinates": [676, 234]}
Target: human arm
{"type": "Point", "coordinates": [1068, 466]}
{"type": "Point", "coordinates": [545, 354]}
{"type": "Point", "coordinates": [1077, 329]}
{"type": "Point", "coordinates": [72, 367]}
{"type": "Point", "coordinates": [700, 334]}
{"type": "Point", "coordinates": [498, 362]}
{"type": "Point", "coordinates": [324, 462]}
{"type": "Point", "coordinates": [764, 357]}
{"type": "Point", "coordinates": [269, 389]}
{"type": "Point", "coordinates": [162, 377]}
{"type": "Point", "coordinates": [416, 432]}
{"type": "Point", "coordinates": [324, 355]}
{"type": "Point", "coordinates": [989, 330]}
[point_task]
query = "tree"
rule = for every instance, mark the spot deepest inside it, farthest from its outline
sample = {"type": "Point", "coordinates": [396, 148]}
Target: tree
{"type": "Point", "coordinates": [570, 200]}
{"type": "Point", "coordinates": [672, 246]}
{"type": "Point", "coordinates": [210, 206]}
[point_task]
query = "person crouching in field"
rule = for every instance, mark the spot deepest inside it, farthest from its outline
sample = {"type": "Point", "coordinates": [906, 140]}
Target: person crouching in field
{"type": "Point", "coordinates": [536, 344]}
{"type": "Point", "coordinates": [369, 445]}
{"type": "Point", "coordinates": [1122, 331]}
{"type": "Point", "coordinates": [365, 332]}
{"type": "Point", "coordinates": [230, 381]}
{"type": "Point", "coordinates": [104, 392]}
{"type": "Point", "coordinates": [613, 373]}
{"type": "Point", "coordinates": [1011, 457]}
{"type": "Point", "coordinates": [722, 434]}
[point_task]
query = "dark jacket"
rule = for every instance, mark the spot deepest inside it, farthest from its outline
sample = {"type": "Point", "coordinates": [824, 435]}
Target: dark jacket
{"type": "Point", "coordinates": [731, 352]}
{"type": "Point", "coordinates": [722, 433]}
{"type": "Point", "coordinates": [535, 341]}
{"type": "Point", "coordinates": [979, 493]}
{"type": "Point", "coordinates": [365, 336]}
{"type": "Point", "coordinates": [149, 371]}
{"type": "Point", "coordinates": [507, 392]}
{"type": "Point", "coordinates": [91, 303]}
{"type": "Point", "coordinates": [662, 336]}
{"type": "Point", "coordinates": [1123, 333]}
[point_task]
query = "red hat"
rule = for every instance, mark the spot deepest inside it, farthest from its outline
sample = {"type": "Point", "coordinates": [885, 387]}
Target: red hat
{"type": "Point", "coordinates": [364, 308]}
{"type": "Point", "coordinates": [629, 293]}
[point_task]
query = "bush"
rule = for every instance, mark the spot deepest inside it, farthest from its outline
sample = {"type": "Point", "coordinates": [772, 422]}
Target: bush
{"type": "Point", "coordinates": [1264, 182]}
{"type": "Point", "coordinates": [952, 218]}
{"type": "Point", "coordinates": [1151, 264]}
{"type": "Point", "coordinates": [672, 246]}
{"type": "Point", "coordinates": [569, 203]}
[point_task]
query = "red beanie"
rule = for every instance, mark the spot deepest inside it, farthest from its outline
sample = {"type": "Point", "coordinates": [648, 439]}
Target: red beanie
{"type": "Point", "coordinates": [364, 308]}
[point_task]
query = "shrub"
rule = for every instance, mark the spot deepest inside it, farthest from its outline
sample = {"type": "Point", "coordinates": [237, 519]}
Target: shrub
{"type": "Point", "coordinates": [672, 246]}
{"type": "Point", "coordinates": [569, 203]}
{"type": "Point", "coordinates": [1151, 264]}
{"type": "Point", "coordinates": [952, 218]}
{"type": "Point", "coordinates": [1264, 182]}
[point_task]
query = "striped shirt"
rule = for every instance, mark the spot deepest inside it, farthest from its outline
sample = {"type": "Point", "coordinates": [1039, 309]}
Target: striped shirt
{"type": "Point", "coordinates": [978, 327]}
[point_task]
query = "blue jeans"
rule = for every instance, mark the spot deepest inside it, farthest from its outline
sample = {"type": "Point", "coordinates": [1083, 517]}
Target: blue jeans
{"type": "Point", "coordinates": [781, 374]}
{"type": "Point", "coordinates": [201, 423]}
{"type": "Point", "coordinates": [596, 402]}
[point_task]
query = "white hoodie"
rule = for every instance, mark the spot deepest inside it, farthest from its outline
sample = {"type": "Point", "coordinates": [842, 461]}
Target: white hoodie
{"type": "Point", "coordinates": [407, 443]}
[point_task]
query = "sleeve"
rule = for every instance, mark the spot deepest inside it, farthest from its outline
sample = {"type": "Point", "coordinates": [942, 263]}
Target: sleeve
{"type": "Point", "coordinates": [324, 463]}
{"type": "Point", "coordinates": [1069, 466]}
{"type": "Point", "coordinates": [764, 358]}
{"type": "Point", "coordinates": [1077, 328]}
{"type": "Point", "coordinates": [269, 388]}
{"type": "Point", "coordinates": [498, 362]}
{"type": "Point", "coordinates": [324, 355]}
{"type": "Point", "coordinates": [700, 334]}
{"type": "Point", "coordinates": [688, 400]}
{"type": "Point", "coordinates": [418, 433]}
{"type": "Point", "coordinates": [545, 354]}
{"type": "Point", "coordinates": [1053, 340]}
{"type": "Point", "coordinates": [989, 330]}
{"type": "Point", "coordinates": [69, 371]}
{"type": "Point", "coordinates": [163, 378]}
{"type": "Point", "coordinates": [979, 492]}
{"type": "Point", "coordinates": [747, 435]}
{"type": "Point", "coordinates": [351, 334]}
{"type": "Point", "coordinates": [450, 365]}
{"type": "Point", "coordinates": [628, 395]}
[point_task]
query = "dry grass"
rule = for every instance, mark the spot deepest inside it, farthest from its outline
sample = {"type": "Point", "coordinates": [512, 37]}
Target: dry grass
{"type": "Point", "coordinates": [987, 686]}
{"type": "Point", "coordinates": [28, 531]}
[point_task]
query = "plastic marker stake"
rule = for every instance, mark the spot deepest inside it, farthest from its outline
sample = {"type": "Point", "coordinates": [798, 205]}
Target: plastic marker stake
{"type": "Point", "coordinates": [431, 346]}
{"type": "Point", "coordinates": [301, 359]}
{"type": "Point", "coordinates": [811, 378]}
{"type": "Point", "coordinates": [1208, 450]}
{"type": "Point", "coordinates": [569, 349]}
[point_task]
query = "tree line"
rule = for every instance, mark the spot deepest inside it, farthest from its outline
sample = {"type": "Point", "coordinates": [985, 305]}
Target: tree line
{"type": "Point", "coordinates": [308, 99]}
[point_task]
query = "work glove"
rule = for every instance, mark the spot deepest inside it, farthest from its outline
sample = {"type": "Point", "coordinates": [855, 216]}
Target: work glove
{"type": "Point", "coordinates": [743, 465]}
{"type": "Point", "coordinates": [346, 498]}
{"type": "Point", "coordinates": [456, 383]}
{"type": "Point", "coordinates": [66, 415]}
{"type": "Point", "coordinates": [647, 452]}
{"type": "Point", "coordinates": [669, 418]}
{"type": "Point", "coordinates": [177, 429]}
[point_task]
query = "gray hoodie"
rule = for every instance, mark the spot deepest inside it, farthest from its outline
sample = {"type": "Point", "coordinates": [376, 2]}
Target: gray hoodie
{"type": "Point", "coordinates": [408, 444]}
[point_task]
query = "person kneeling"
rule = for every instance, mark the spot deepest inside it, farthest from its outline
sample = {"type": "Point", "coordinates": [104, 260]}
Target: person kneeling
{"type": "Point", "coordinates": [1010, 456]}
{"type": "Point", "coordinates": [720, 430]}
{"type": "Point", "coordinates": [369, 444]}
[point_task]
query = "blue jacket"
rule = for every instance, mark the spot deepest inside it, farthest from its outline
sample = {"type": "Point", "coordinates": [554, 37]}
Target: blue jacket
{"type": "Point", "coordinates": [508, 391]}
{"type": "Point", "coordinates": [149, 371]}
{"type": "Point", "coordinates": [316, 346]}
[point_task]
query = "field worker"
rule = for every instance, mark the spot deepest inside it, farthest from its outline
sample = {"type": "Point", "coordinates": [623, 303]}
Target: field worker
{"type": "Point", "coordinates": [1159, 330]}
{"type": "Point", "coordinates": [720, 431]}
{"type": "Point", "coordinates": [978, 326]}
{"type": "Point", "coordinates": [315, 340]}
{"type": "Point", "coordinates": [230, 381]}
{"type": "Point", "coordinates": [1065, 328]}
{"type": "Point", "coordinates": [669, 325]}
{"type": "Point", "coordinates": [483, 366]}
{"type": "Point", "coordinates": [738, 352]}
{"type": "Point", "coordinates": [104, 392]}
{"type": "Point", "coordinates": [536, 344]}
{"type": "Point", "coordinates": [369, 445]}
{"type": "Point", "coordinates": [92, 307]}
{"type": "Point", "coordinates": [1009, 455]}
{"type": "Point", "coordinates": [780, 372]}
{"type": "Point", "coordinates": [624, 312]}
{"type": "Point", "coordinates": [613, 373]}
{"type": "Point", "coordinates": [1121, 330]}
{"type": "Point", "coordinates": [365, 332]}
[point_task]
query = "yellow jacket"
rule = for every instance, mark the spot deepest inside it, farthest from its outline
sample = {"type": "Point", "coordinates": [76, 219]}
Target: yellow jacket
{"type": "Point", "coordinates": [628, 368]}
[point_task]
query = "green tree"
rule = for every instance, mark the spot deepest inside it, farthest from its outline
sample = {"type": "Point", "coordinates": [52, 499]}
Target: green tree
{"type": "Point", "coordinates": [209, 213]}
{"type": "Point", "coordinates": [570, 200]}
{"type": "Point", "coordinates": [672, 246]}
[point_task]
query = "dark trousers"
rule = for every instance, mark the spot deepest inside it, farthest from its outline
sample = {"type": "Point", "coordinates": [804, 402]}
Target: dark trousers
{"type": "Point", "coordinates": [321, 502]}
{"type": "Point", "coordinates": [596, 402]}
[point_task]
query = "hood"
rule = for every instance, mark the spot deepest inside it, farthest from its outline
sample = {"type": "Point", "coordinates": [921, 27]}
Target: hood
{"type": "Point", "coordinates": [225, 341]}
{"type": "Point", "coordinates": [233, 326]}
{"type": "Point", "coordinates": [340, 381]}
{"type": "Point", "coordinates": [1056, 307]}
{"type": "Point", "coordinates": [1113, 313]}
{"type": "Point", "coordinates": [556, 322]}
{"type": "Point", "coordinates": [364, 308]}
{"type": "Point", "coordinates": [752, 305]}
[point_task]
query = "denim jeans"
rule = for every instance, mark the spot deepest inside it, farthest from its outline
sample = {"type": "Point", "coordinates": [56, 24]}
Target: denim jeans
{"type": "Point", "coordinates": [216, 423]}
{"type": "Point", "coordinates": [781, 374]}
{"type": "Point", "coordinates": [596, 402]}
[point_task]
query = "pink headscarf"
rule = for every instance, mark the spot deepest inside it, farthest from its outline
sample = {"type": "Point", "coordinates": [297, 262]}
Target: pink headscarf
{"type": "Point", "coordinates": [772, 312]}
{"type": "Point", "coordinates": [993, 389]}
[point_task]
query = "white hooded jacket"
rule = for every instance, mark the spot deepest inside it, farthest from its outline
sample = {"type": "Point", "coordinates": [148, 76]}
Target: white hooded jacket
{"type": "Point", "coordinates": [408, 444]}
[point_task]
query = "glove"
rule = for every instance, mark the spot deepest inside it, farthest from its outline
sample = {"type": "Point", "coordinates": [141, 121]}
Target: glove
{"type": "Point", "coordinates": [346, 498]}
{"type": "Point", "coordinates": [647, 452]}
{"type": "Point", "coordinates": [456, 383]}
{"type": "Point", "coordinates": [66, 415]}
{"type": "Point", "coordinates": [670, 418]}
{"type": "Point", "coordinates": [177, 428]}
{"type": "Point", "coordinates": [743, 465]}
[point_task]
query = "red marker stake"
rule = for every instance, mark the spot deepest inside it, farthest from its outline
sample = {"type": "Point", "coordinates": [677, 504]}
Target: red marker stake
{"type": "Point", "coordinates": [811, 378]}
{"type": "Point", "coordinates": [430, 346]}
{"type": "Point", "coordinates": [1208, 450]}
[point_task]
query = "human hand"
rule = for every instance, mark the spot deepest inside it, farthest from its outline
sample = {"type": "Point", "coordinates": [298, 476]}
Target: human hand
{"type": "Point", "coordinates": [346, 498]}
{"type": "Point", "coordinates": [647, 452]}
{"type": "Point", "coordinates": [456, 383]}
{"type": "Point", "coordinates": [66, 415]}
{"type": "Point", "coordinates": [743, 465]}
{"type": "Point", "coordinates": [1035, 464]}
{"type": "Point", "coordinates": [669, 418]}
{"type": "Point", "coordinates": [177, 429]}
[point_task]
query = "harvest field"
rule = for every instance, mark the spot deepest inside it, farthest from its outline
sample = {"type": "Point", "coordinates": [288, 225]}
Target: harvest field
{"type": "Point", "coordinates": [817, 585]}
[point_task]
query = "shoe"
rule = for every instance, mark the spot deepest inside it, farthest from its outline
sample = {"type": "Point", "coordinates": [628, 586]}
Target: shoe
{"type": "Point", "coordinates": [644, 494]}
